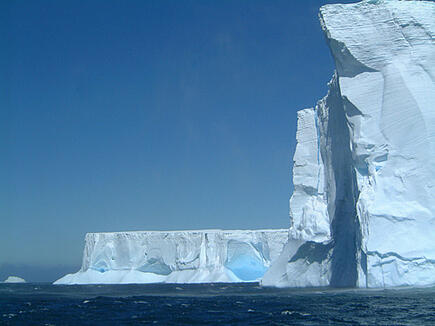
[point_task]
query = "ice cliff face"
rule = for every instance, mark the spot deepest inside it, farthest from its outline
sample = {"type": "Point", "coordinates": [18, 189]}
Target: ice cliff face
{"type": "Point", "coordinates": [177, 256]}
{"type": "Point", "coordinates": [363, 209]}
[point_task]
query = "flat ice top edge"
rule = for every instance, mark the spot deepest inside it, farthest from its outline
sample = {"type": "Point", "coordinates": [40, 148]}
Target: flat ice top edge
{"type": "Point", "coordinates": [195, 231]}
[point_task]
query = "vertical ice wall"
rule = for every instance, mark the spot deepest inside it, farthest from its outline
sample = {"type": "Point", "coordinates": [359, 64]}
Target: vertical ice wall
{"type": "Point", "coordinates": [367, 153]}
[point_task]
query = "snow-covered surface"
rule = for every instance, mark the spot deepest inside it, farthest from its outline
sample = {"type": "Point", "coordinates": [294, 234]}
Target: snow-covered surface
{"type": "Point", "coordinates": [177, 256]}
{"type": "Point", "coordinates": [363, 209]}
{"type": "Point", "coordinates": [14, 279]}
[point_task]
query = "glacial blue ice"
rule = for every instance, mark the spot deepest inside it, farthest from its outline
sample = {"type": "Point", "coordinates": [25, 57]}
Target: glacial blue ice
{"type": "Point", "coordinates": [244, 261]}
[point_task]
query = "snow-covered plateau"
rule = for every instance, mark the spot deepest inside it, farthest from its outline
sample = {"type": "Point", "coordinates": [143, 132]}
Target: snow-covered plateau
{"type": "Point", "coordinates": [363, 209]}
{"type": "Point", "coordinates": [200, 256]}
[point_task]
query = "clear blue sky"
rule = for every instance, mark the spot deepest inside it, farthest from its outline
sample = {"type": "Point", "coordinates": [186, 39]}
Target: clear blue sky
{"type": "Point", "coordinates": [149, 115]}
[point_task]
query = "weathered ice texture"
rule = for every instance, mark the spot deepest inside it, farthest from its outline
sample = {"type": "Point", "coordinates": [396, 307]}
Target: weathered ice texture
{"type": "Point", "coordinates": [177, 256]}
{"type": "Point", "coordinates": [363, 209]}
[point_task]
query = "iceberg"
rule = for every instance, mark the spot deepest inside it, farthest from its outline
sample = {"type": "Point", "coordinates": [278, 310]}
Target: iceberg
{"type": "Point", "coordinates": [362, 213]}
{"type": "Point", "coordinates": [200, 256]}
{"type": "Point", "coordinates": [363, 208]}
{"type": "Point", "coordinates": [14, 279]}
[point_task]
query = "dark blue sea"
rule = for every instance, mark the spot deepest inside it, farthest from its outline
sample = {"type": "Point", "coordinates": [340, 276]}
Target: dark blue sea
{"type": "Point", "coordinates": [211, 304]}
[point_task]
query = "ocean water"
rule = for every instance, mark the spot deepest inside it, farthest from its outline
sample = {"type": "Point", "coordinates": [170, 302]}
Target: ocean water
{"type": "Point", "coordinates": [211, 304]}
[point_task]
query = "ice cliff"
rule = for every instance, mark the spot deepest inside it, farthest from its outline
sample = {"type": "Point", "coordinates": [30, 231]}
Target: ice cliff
{"type": "Point", "coordinates": [177, 256]}
{"type": "Point", "coordinates": [363, 209]}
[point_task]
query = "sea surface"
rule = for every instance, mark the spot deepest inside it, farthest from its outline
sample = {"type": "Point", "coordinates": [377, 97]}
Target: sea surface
{"type": "Point", "coordinates": [211, 304]}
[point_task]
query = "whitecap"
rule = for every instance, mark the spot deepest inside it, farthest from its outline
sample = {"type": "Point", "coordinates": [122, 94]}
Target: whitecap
{"type": "Point", "coordinates": [287, 312]}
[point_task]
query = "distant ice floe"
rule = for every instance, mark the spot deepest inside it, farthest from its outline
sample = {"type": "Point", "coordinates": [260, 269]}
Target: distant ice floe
{"type": "Point", "coordinates": [14, 279]}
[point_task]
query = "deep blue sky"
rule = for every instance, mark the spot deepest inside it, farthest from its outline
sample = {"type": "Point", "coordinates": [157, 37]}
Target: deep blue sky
{"type": "Point", "coordinates": [149, 115]}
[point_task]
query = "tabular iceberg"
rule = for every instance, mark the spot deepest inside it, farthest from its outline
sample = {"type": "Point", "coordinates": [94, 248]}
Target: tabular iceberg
{"type": "Point", "coordinates": [177, 256]}
{"type": "Point", "coordinates": [363, 209]}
